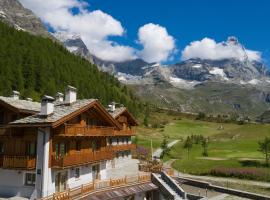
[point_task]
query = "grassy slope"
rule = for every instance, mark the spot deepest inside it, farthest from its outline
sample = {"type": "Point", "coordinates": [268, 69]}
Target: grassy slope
{"type": "Point", "coordinates": [231, 146]}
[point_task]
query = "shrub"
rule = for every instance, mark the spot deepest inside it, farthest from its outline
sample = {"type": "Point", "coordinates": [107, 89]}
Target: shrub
{"type": "Point", "coordinates": [242, 173]}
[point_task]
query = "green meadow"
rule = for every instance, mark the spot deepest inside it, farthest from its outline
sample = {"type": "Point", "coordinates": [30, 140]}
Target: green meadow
{"type": "Point", "coordinates": [230, 145]}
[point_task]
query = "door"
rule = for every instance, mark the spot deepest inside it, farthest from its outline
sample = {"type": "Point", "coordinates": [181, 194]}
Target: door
{"type": "Point", "coordinates": [95, 172]}
{"type": "Point", "coordinates": [60, 150]}
{"type": "Point", "coordinates": [61, 181]}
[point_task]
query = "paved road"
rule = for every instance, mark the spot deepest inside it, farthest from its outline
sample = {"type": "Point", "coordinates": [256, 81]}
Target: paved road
{"type": "Point", "coordinates": [158, 152]}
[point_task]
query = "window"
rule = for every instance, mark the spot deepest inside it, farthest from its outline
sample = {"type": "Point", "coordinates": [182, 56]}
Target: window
{"type": "Point", "coordinates": [60, 149]}
{"type": "Point", "coordinates": [77, 173]}
{"type": "Point", "coordinates": [31, 149]}
{"type": "Point", "coordinates": [30, 179]}
{"type": "Point", "coordinates": [78, 145]}
{"type": "Point", "coordinates": [1, 148]}
{"type": "Point", "coordinates": [2, 117]}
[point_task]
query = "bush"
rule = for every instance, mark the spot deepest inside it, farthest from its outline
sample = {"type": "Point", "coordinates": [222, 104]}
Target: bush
{"type": "Point", "coordinates": [242, 173]}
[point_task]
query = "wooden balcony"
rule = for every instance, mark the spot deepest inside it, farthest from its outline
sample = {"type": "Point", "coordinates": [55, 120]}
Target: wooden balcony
{"type": "Point", "coordinates": [18, 162]}
{"type": "Point", "coordinates": [78, 130]}
{"type": "Point", "coordinates": [82, 158]}
{"type": "Point", "coordinates": [124, 147]}
{"type": "Point", "coordinates": [128, 132]}
{"type": "Point", "coordinates": [92, 131]}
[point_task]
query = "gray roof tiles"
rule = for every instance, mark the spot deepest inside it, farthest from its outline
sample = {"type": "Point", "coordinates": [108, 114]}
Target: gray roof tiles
{"type": "Point", "coordinates": [60, 110]}
{"type": "Point", "coordinates": [117, 111]}
{"type": "Point", "coordinates": [28, 106]}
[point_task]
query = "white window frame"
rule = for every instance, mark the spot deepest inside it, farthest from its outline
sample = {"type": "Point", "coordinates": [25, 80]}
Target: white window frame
{"type": "Point", "coordinates": [77, 168]}
{"type": "Point", "coordinates": [25, 179]}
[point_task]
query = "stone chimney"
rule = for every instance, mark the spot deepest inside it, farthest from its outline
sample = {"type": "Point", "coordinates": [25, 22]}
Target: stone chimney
{"type": "Point", "coordinates": [47, 106]}
{"type": "Point", "coordinates": [15, 95]}
{"type": "Point", "coordinates": [59, 97]}
{"type": "Point", "coordinates": [71, 94]}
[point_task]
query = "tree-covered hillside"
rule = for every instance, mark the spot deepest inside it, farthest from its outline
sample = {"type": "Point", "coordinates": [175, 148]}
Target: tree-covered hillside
{"type": "Point", "coordinates": [36, 66]}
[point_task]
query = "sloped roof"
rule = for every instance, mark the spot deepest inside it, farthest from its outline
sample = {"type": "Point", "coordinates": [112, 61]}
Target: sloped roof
{"type": "Point", "coordinates": [61, 113]}
{"type": "Point", "coordinates": [117, 111]}
{"type": "Point", "coordinates": [121, 110]}
{"type": "Point", "coordinates": [120, 193]}
{"type": "Point", "coordinates": [21, 105]}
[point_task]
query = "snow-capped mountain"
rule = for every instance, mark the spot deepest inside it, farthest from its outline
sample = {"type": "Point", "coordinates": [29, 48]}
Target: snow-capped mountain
{"type": "Point", "coordinates": [212, 86]}
{"type": "Point", "coordinates": [185, 74]}
{"type": "Point", "coordinates": [74, 44]}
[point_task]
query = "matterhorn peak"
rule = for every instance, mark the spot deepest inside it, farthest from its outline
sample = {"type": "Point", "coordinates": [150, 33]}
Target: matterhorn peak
{"type": "Point", "coordinates": [232, 40]}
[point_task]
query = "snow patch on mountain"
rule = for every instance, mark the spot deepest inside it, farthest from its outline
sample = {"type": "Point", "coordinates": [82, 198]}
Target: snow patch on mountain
{"type": "Point", "coordinates": [64, 36]}
{"type": "Point", "coordinates": [197, 66]}
{"type": "Point", "coordinates": [181, 83]}
{"type": "Point", "coordinates": [72, 49]}
{"type": "Point", "coordinates": [127, 78]}
{"type": "Point", "coordinates": [254, 82]}
{"type": "Point", "coordinates": [2, 14]}
{"type": "Point", "coordinates": [219, 72]}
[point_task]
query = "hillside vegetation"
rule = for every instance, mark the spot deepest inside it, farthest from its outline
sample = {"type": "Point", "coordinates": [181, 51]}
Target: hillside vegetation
{"type": "Point", "coordinates": [36, 66]}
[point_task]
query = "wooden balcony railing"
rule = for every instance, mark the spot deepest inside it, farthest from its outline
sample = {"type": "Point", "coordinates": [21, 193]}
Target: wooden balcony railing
{"type": "Point", "coordinates": [128, 132]}
{"type": "Point", "coordinates": [19, 162]}
{"type": "Point", "coordinates": [82, 158]}
{"type": "Point", "coordinates": [99, 186]}
{"type": "Point", "coordinates": [78, 130]}
{"type": "Point", "coordinates": [123, 147]}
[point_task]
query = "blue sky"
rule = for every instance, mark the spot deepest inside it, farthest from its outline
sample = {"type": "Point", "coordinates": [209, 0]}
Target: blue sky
{"type": "Point", "coordinates": [189, 20]}
{"type": "Point", "coordinates": [184, 20]}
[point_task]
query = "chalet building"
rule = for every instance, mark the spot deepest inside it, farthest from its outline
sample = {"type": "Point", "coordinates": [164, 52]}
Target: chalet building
{"type": "Point", "coordinates": [60, 143]}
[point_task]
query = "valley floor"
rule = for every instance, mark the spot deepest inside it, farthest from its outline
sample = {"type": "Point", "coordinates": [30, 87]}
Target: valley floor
{"type": "Point", "coordinates": [231, 146]}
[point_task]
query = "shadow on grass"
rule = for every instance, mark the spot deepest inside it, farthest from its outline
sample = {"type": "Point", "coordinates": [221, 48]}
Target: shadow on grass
{"type": "Point", "coordinates": [253, 163]}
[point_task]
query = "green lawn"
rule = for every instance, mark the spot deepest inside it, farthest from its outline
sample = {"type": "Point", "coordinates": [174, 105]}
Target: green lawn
{"type": "Point", "coordinates": [231, 145]}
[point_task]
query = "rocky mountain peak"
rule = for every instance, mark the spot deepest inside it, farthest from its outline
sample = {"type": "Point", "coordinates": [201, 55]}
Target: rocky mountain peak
{"type": "Point", "coordinates": [14, 14]}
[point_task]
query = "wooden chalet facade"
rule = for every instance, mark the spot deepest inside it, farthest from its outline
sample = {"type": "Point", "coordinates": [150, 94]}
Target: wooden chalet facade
{"type": "Point", "coordinates": [51, 146]}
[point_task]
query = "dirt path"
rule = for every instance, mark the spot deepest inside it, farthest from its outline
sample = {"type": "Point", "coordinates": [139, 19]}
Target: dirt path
{"type": "Point", "coordinates": [158, 152]}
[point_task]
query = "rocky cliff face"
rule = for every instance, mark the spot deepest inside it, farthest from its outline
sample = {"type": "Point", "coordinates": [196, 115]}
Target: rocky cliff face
{"type": "Point", "coordinates": [14, 14]}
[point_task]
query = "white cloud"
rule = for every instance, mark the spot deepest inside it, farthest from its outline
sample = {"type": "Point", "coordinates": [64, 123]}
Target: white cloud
{"type": "Point", "coordinates": [209, 49]}
{"type": "Point", "coordinates": [158, 45]}
{"type": "Point", "coordinates": [93, 26]}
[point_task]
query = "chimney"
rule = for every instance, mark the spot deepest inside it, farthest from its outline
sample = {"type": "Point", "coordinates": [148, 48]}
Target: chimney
{"type": "Point", "coordinates": [71, 94]}
{"type": "Point", "coordinates": [112, 107]}
{"type": "Point", "coordinates": [16, 95]}
{"type": "Point", "coordinates": [47, 105]}
{"type": "Point", "coordinates": [59, 97]}
{"type": "Point", "coordinates": [29, 99]}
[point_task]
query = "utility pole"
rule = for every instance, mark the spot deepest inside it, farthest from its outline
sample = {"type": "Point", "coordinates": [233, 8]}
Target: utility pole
{"type": "Point", "coordinates": [151, 149]}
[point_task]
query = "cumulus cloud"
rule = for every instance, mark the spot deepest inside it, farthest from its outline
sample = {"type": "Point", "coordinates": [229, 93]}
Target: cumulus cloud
{"type": "Point", "coordinates": [157, 44]}
{"type": "Point", "coordinates": [93, 26]}
{"type": "Point", "coordinates": [209, 49]}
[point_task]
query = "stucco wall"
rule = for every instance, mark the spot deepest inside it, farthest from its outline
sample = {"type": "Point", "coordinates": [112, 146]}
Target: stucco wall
{"type": "Point", "coordinates": [12, 183]}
